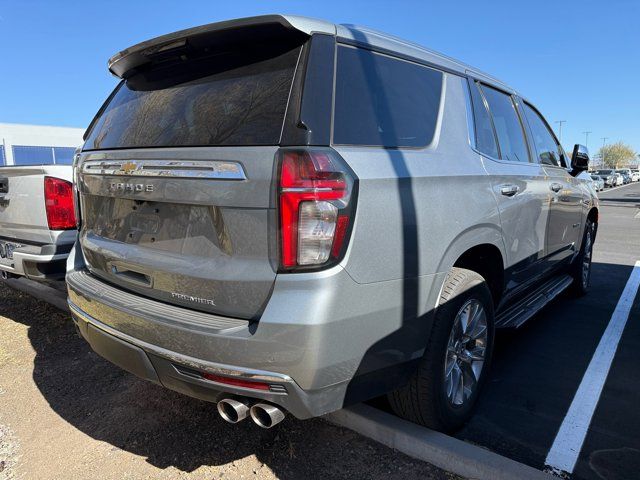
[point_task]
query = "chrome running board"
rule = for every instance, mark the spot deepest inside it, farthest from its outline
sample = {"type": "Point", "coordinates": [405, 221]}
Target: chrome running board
{"type": "Point", "coordinates": [515, 315]}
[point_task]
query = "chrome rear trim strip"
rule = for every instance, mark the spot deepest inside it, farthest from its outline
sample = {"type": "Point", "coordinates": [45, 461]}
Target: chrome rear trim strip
{"type": "Point", "coordinates": [207, 169]}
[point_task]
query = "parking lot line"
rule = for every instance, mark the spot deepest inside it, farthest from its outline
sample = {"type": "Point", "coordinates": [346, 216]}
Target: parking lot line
{"type": "Point", "coordinates": [564, 452]}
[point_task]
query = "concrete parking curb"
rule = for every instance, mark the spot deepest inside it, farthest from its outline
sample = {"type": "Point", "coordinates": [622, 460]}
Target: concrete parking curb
{"type": "Point", "coordinates": [436, 448]}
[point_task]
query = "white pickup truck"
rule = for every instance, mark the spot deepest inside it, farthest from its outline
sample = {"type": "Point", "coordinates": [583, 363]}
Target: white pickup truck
{"type": "Point", "coordinates": [37, 221]}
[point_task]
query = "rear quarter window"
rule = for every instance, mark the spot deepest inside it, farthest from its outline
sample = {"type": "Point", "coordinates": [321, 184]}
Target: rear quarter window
{"type": "Point", "coordinates": [384, 101]}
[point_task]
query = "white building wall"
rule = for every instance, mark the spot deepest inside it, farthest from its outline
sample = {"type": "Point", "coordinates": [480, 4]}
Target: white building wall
{"type": "Point", "coordinates": [37, 135]}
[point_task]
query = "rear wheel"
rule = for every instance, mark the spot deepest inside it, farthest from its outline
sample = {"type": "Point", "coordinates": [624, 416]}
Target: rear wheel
{"type": "Point", "coordinates": [443, 391]}
{"type": "Point", "coordinates": [581, 267]}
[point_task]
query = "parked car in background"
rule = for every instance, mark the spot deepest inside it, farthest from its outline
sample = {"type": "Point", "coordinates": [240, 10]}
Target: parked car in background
{"type": "Point", "coordinates": [37, 221]}
{"type": "Point", "coordinates": [598, 183]}
{"type": "Point", "coordinates": [284, 214]}
{"type": "Point", "coordinates": [635, 175]}
{"type": "Point", "coordinates": [619, 179]}
{"type": "Point", "coordinates": [609, 176]}
{"type": "Point", "coordinates": [626, 175]}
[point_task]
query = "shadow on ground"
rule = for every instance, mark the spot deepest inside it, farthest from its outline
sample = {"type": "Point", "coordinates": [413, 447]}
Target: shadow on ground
{"type": "Point", "coordinates": [169, 429]}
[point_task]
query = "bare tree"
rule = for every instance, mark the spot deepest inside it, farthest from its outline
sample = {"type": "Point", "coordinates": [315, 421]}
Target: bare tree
{"type": "Point", "coordinates": [617, 155]}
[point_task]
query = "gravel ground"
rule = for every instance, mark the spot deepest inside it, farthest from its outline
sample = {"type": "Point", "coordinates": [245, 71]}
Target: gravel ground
{"type": "Point", "coordinates": [67, 413]}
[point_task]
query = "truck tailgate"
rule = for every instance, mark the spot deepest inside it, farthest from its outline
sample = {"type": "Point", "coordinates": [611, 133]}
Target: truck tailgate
{"type": "Point", "coordinates": [23, 217]}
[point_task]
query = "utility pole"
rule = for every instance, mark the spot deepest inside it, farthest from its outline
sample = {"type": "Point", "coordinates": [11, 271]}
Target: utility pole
{"type": "Point", "coordinates": [604, 141]}
{"type": "Point", "coordinates": [560, 122]}
{"type": "Point", "coordinates": [586, 139]}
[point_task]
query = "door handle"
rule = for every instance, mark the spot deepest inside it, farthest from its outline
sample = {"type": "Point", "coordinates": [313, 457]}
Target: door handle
{"type": "Point", "coordinates": [509, 190]}
{"type": "Point", "coordinates": [556, 187]}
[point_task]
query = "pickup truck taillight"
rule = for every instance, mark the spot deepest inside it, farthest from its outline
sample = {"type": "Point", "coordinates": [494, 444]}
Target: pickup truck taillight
{"type": "Point", "coordinates": [316, 207]}
{"type": "Point", "coordinates": [58, 200]}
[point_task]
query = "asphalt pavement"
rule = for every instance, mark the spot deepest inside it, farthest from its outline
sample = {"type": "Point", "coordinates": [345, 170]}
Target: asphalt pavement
{"type": "Point", "coordinates": [538, 368]}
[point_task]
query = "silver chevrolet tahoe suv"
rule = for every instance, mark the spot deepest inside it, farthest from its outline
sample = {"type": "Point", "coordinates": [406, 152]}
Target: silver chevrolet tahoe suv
{"type": "Point", "coordinates": [280, 214]}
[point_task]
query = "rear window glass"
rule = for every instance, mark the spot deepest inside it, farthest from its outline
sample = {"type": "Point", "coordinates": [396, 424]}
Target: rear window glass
{"type": "Point", "coordinates": [382, 101]}
{"type": "Point", "coordinates": [225, 100]}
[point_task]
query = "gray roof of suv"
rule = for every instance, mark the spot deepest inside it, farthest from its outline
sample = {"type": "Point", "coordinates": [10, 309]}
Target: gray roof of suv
{"type": "Point", "coordinates": [358, 35]}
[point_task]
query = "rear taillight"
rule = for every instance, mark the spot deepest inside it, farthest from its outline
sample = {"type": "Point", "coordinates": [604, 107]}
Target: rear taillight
{"type": "Point", "coordinates": [316, 207]}
{"type": "Point", "coordinates": [58, 199]}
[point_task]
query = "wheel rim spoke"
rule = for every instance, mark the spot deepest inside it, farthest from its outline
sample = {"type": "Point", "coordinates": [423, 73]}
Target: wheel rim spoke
{"type": "Point", "coordinates": [458, 385]}
{"type": "Point", "coordinates": [470, 380]}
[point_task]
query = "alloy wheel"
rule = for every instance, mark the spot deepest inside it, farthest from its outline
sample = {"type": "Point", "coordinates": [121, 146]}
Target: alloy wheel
{"type": "Point", "coordinates": [466, 350]}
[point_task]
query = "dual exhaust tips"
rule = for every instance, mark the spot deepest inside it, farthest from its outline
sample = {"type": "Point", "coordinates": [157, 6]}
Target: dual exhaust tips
{"type": "Point", "coordinates": [234, 410]}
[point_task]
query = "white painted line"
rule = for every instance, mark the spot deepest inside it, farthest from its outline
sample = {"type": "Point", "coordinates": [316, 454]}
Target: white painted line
{"type": "Point", "coordinates": [443, 451]}
{"type": "Point", "coordinates": [566, 447]}
{"type": "Point", "coordinates": [637, 215]}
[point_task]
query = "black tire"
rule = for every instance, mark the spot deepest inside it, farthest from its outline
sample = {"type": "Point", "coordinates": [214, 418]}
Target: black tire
{"type": "Point", "coordinates": [580, 285]}
{"type": "Point", "coordinates": [424, 399]}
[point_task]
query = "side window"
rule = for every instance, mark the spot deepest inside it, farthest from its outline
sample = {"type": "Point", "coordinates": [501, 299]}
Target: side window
{"type": "Point", "coordinates": [546, 147]}
{"type": "Point", "coordinates": [485, 136]}
{"type": "Point", "coordinates": [513, 146]}
{"type": "Point", "coordinates": [383, 101]}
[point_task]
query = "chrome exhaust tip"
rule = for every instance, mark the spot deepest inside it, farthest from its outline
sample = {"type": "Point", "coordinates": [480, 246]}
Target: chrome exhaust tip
{"type": "Point", "coordinates": [265, 415]}
{"type": "Point", "coordinates": [233, 410]}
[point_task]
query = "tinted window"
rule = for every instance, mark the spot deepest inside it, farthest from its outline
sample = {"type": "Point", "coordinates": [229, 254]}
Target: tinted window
{"type": "Point", "coordinates": [513, 146]}
{"type": "Point", "coordinates": [37, 155]}
{"type": "Point", "coordinates": [32, 155]}
{"type": "Point", "coordinates": [63, 155]}
{"type": "Point", "coordinates": [231, 99]}
{"type": "Point", "coordinates": [485, 137]}
{"type": "Point", "coordinates": [383, 101]}
{"type": "Point", "coordinates": [545, 145]}
{"type": "Point", "coordinates": [2, 160]}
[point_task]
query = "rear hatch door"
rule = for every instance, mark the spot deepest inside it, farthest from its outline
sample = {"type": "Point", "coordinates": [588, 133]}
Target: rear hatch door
{"type": "Point", "coordinates": [176, 175]}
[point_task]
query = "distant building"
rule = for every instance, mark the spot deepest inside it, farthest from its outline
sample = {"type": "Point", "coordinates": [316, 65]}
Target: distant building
{"type": "Point", "coordinates": [38, 144]}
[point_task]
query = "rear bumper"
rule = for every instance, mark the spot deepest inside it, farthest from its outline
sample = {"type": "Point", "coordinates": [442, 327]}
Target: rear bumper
{"type": "Point", "coordinates": [38, 262]}
{"type": "Point", "coordinates": [322, 342]}
{"type": "Point", "coordinates": [178, 372]}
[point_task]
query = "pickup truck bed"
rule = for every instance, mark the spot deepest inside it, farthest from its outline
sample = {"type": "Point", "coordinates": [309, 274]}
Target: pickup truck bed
{"type": "Point", "coordinates": [28, 246]}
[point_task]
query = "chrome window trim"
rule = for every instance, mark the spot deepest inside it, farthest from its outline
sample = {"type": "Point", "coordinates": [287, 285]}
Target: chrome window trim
{"type": "Point", "coordinates": [207, 169]}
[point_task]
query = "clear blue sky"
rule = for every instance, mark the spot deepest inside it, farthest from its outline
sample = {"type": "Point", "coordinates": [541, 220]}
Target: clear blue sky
{"type": "Point", "coordinates": [578, 61]}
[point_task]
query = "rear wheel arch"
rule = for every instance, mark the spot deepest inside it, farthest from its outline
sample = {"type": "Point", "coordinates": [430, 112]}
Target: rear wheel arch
{"type": "Point", "coordinates": [487, 261]}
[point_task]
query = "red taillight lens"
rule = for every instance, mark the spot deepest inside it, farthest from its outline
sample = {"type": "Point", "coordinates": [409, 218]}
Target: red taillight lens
{"type": "Point", "coordinates": [315, 207]}
{"type": "Point", "coordinates": [235, 382]}
{"type": "Point", "coordinates": [58, 199]}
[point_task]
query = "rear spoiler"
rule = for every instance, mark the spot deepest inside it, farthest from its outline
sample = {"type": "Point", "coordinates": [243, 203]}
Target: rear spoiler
{"type": "Point", "coordinates": [243, 30]}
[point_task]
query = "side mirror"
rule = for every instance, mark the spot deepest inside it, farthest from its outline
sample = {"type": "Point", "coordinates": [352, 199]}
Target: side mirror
{"type": "Point", "coordinates": [580, 158]}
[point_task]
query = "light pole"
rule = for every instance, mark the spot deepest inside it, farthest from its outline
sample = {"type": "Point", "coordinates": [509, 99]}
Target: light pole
{"type": "Point", "coordinates": [560, 122]}
{"type": "Point", "coordinates": [586, 139]}
{"type": "Point", "coordinates": [604, 141]}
